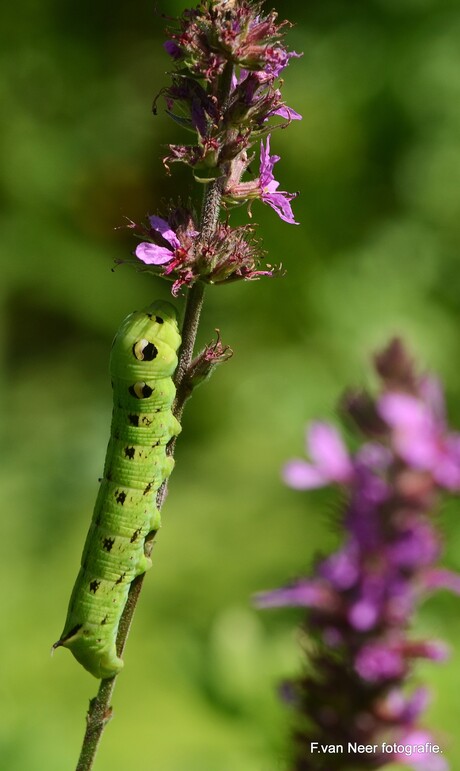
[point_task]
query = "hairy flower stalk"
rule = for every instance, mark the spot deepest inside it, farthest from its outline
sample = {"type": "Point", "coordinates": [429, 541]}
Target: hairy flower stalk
{"type": "Point", "coordinates": [227, 57]}
{"type": "Point", "coordinates": [355, 689]}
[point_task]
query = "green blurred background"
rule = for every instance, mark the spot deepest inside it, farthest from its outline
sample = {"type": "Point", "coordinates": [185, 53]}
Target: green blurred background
{"type": "Point", "coordinates": [377, 160]}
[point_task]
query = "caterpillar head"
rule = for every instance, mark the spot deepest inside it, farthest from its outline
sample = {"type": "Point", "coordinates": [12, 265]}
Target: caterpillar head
{"type": "Point", "coordinates": [145, 347]}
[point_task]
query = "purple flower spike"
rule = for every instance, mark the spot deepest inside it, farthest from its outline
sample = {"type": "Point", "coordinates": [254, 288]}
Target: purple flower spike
{"type": "Point", "coordinates": [356, 682]}
{"type": "Point", "coordinates": [330, 460]}
{"type": "Point", "coordinates": [277, 199]}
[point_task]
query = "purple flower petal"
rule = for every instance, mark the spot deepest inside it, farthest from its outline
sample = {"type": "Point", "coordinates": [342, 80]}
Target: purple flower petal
{"type": "Point", "coordinates": [439, 578]}
{"type": "Point", "coordinates": [416, 546]}
{"type": "Point", "coordinates": [420, 758]}
{"type": "Point", "coordinates": [403, 411]}
{"type": "Point", "coordinates": [305, 594]}
{"type": "Point", "coordinates": [363, 615]}
{"type": "Point", "coordinates": [374, 456]}
{"type": "Point", "coordinates": [152, 254]}
{"type": "Point", "coordinates": [329, 453]}
{"type": "Point", "coordinates": [279, 202]}
{"type": "Point", "coordinates": [376, 662]}
{"type": "Point", "coordinates": [414, 429]}
{"type": "Point", "coordinates": [421, 438]}
{"type": "Point", "coordinates": [269, 193]}
{"type": "Point", "coordinates": [446, 466]}
{"type": "Point", "coordinates": [400, 709]}
{"type": "Point", "coordinates": [433, 395]}
{"type": "Point", "coordinates": [164, 228]}
{"type": "Point", "coordinates": [301, 475]}
{"type": "Point", "coordinates": [342, 568]}
{"type": "Point", "coordinates": [416, 704]}
{"type": "Point", "coordinates": [434, 650]}
{"type": "Point", "coordinates": [288, 113]}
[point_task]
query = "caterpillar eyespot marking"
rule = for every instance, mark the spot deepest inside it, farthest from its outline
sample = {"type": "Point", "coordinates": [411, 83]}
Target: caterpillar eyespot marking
{"type": "Point", "coordinates": [144, 350]}
{"type": "Point", "coordinates": [140, 390]}
{"type": "Point", "coordinates": [142, 362]}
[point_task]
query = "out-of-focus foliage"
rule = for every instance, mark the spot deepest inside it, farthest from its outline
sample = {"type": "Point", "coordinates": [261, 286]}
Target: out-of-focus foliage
{"type": "Point", "coordinates": [377, 160]}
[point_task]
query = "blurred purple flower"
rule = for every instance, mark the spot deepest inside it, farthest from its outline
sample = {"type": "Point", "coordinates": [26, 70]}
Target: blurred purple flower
{"type": "Point", "coordinates": [439, 578]}
{"type": "Point", "coordinates": [419, 757]}
{"type": "Point", "coordinates": [420, 434]}
{"type": "Point", "coordinates": [308, 594]}
{"type": "Point", "coordinates": [361, 598]}
{"type": "Point", "coordinates": [331, 462]}
{"type": "Point", "coordinates": [377, 662]}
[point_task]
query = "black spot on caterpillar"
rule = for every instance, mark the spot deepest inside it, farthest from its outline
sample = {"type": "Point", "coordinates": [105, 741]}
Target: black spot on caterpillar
{"type": "Point", "coordinates": [142, 362]}
{"type": "Point", "coordinates": [140, 390]}
{"type": "Point", "coordinates": [143, 350]}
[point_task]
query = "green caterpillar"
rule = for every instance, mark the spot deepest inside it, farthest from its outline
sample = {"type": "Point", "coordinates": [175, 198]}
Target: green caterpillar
{"type": "Point", "coordinates": [143, 359]}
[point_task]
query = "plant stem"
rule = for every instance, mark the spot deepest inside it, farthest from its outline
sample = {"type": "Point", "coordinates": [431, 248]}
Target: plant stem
{"type": "Point", "coordinates": [99, 712]}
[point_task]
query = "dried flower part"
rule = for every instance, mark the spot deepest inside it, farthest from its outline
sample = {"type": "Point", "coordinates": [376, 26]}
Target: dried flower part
{"type": "Point", "coordinates": [204, 365]}
{"type": "Point", "coordinates": [173, 249]}
{"type": "Point", "coordinates": [361, 598]}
